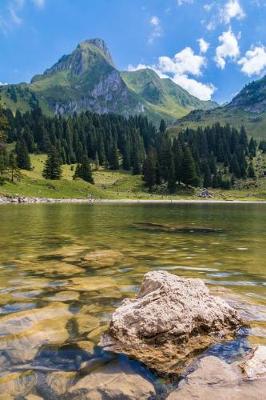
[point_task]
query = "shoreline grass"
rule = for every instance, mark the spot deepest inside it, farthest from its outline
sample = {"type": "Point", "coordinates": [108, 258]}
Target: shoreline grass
{"type": "Point", "coordinates": [113, 185]}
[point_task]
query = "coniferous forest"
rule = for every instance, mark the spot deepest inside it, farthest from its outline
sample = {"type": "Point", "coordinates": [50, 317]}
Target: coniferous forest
{"type": "Point", "coordinates": [212, 157]}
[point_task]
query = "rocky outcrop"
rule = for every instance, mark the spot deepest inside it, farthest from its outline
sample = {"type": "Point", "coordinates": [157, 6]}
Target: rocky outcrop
{"type": "Point", "coordinates": [215, 379]}
{"type": "Point", "coordinates": [170, 321]}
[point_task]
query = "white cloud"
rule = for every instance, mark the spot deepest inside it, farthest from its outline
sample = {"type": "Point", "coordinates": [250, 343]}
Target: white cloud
{"type": "Point", "coordinates": [222, 13]}
{"type": "Point", "coordinates": [186, 61]}
{"type": "Point", "coordinates": [3, 83]}
{"type": "Point", "coordinates": [203, 45]}
{"type": "Point", "coordinates": [10, 16]}
{"type": "Point", "coordinates": [208, 7]}
{"type": "Point", "coordinates": [254, 61]}
{"type": "Point", "coordinates": [181, 2]}
{"type": "Point", "coordinates": [198, 89]}
{"type": "Point", "coordinates": [182, 69]}
{"type": "Point", "coordinates": [155, 21]}
{"type": "Point", "coordinates": [232, 9]}
{"type": "Point", "coordinates": [39, 3]}
{"type": "Point", "coordinates": [228, 48]}
{"type": "Point", "coordinates": [157, 30]}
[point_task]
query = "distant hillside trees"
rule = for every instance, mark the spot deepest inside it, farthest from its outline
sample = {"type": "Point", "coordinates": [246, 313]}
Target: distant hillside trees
{"type": "Point", "coordinates": [110, 140]}
{"type": "Point", "coordinates": [211, 157]}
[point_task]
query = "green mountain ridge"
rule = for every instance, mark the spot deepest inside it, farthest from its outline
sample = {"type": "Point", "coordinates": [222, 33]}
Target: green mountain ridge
{"type": "Point", "coordinates": [247, 108]}
{"type": "Point", "coordinates": [87, 79]}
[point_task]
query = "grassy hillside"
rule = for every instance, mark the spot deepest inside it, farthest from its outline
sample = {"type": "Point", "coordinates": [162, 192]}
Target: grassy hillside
{"type": "Point", "coordinates": [247, 108]}
{"type": "Point", "coordinates": [254, 124]}
{"type": "Point", "coordinates": [117, 185]}
{"type": "Point", "coordinates": [162, 96]}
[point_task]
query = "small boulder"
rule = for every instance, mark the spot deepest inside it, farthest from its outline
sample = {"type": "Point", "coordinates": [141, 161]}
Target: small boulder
{"type": "Point", "coordinates": [170, 321]}
{"type": "Point", "coordinates": [254, 366]}
{"type": "Point", "coordinates": [116, 380]}
{"type": "Point", "coordinates": [101, 258]}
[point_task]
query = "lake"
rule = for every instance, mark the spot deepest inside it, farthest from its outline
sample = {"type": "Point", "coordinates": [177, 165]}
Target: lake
{"type": "Point", "coordinates": [65, 267]}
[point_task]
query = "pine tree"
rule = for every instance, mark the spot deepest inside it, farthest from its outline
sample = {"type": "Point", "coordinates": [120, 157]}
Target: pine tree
{"type": "Point", "coordinates": [162, 126]}
{"type": "Point", "coordinates": [252, 147]}
{"type": "Point", "coordinates": [2, 162]}
{"type": "Point", "coordinates": [3, 126]}
{"type": "Point", "coordinates": [251, 171]}
{"type": "Point", "coordinates": [23, 158]}
{"type": "Point", "coordinates": [171, 181]}
{"type": "Point", "coordinates": [149, 170]}
{"type": "Point", "coordinates": [207, 177]}
{"type": "Point", "coordinates": [114, 159]}
{"type": "Point", "coordinates": [83, 171]}
{"type": "Point", "coordinates": [178, 160]}
{"type": "Point", "coordinates": [234, 167]}
{"type": "Point", "coordinates": [52, 169]}
{"type": "Point", "coordinates": [12, 165]}
{"type": "Point", "coordinates": [165, 153]}
{"type": "Point", "coordinates": [189, 175]}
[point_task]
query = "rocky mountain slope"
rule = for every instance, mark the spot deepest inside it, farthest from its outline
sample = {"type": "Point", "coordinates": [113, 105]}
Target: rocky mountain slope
{"type": "Point", "coordinates": [87, 79]}
{"type": "Point", "coordinates": [247, 108]}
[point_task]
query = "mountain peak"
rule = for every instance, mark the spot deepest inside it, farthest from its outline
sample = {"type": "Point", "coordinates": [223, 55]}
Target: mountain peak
{"type": "Point", "coordinates": [100, 45]}
{"type": "Point", "coordinates": [252, 97]}
{"type": "Point", "coordinates": [86, 54]}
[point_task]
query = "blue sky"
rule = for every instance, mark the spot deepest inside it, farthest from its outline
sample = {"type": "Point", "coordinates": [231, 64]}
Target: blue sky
{"type": "Point", "coordinates": [210, 47]}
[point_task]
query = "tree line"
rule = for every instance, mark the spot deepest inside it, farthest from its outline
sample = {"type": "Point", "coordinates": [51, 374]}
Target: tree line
{"type": "Point", "coordinates": [213, 157]}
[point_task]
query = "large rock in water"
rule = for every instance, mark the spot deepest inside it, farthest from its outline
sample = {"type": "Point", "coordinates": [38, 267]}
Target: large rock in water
{"type": "Point", "coordinates": [215, 379]}
{"type": "Point", "coordinates": [170, 321]}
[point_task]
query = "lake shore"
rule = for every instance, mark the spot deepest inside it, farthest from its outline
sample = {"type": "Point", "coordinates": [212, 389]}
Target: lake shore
{"type": "Point", "coordinates": [44, 200]}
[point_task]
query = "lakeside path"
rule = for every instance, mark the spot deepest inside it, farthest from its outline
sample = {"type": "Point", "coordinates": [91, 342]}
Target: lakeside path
{"type": "Point", "coordinates": [36, 200]}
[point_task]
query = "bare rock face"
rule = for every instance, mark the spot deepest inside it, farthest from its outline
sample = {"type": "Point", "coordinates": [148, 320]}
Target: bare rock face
{"type": "Point", "coordinates": [169, 322]}
{"type": "Point", "coordinates": [215, 379]}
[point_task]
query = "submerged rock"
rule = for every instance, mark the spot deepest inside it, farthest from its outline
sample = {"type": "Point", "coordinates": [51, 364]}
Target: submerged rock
{"type": "Point", "coordinates": [170, 321]}
{"type": "Point", "coordinates": [215, 379]}
{"type": "Point", "coordinates": [91, 283]}
{"type": "Point", "coordinates": [101, 258]}
{"type": "Point", "coordinates": [13, 384]}
{"type": "Point", "coordinates": [64, 295]}
{"type": "Point", "coordinates": [23, 333]}
{"type": "Point", "coordinates": [116, 380]}
{"type": "Point", "coordinates": [60, 382]}
{"type": "Point", "coordinates": [151, 226]}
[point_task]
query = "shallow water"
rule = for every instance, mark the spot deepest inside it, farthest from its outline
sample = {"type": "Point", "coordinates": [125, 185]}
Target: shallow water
{"type": "Point", "coordinates": [41, 266]}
